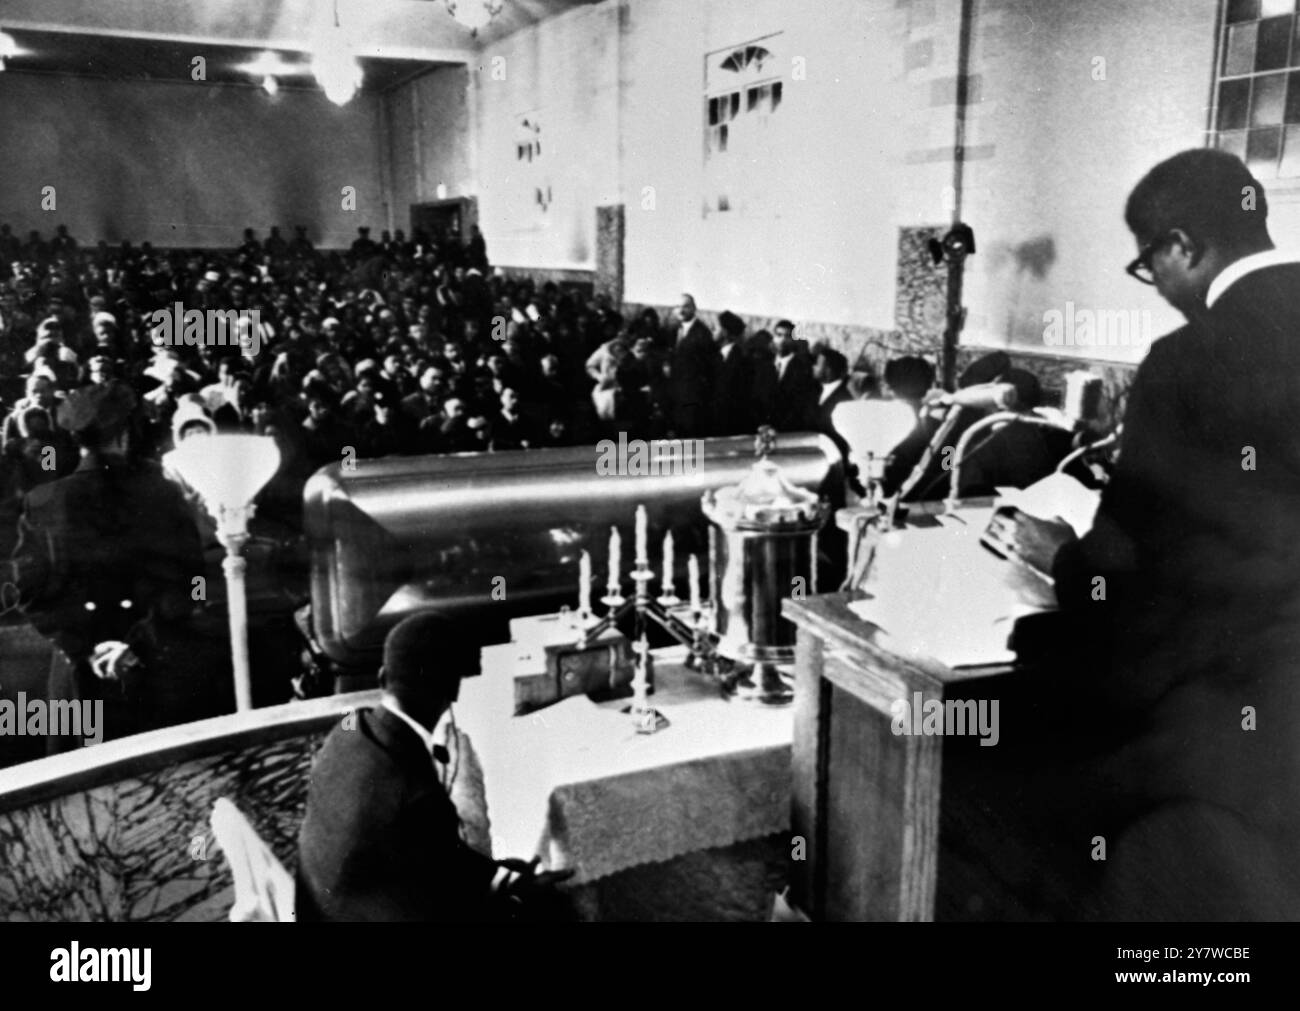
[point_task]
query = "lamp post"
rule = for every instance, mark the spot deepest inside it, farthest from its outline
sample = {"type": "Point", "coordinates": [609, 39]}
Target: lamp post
{"type": "Point", "coordinates": [228, 471]}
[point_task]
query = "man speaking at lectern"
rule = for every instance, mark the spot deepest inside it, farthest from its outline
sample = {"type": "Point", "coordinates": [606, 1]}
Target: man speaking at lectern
{"type": "Point", "coordinates": [1191, 572]}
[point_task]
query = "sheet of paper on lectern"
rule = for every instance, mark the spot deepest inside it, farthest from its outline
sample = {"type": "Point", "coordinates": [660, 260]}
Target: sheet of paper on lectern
{"type": "Point", "coordinates": [938, 593]}
{"type": "Point", "coordinates": [1053, 496]}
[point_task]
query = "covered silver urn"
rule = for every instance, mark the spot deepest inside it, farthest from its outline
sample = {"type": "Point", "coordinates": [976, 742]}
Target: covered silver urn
{"type": "Point", "coordinates": [763, 551]}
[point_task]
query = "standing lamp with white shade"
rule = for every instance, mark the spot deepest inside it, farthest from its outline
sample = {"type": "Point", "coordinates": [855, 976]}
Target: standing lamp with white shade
{"type": "Point", "coordinates": [228, 471]}
{"type": "Point", "coordinates": [872, 428]}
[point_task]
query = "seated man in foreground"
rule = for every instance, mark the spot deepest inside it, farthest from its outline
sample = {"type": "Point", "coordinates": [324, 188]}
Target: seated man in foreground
{"type": "Point", "coordinates": [381, 840]}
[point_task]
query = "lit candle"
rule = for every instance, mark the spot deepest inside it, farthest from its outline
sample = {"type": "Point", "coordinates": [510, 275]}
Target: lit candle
{"type": "Point", "coordinates": [615, 559]}
{"type": "Point", "coordinates": [642, 551]}
{"type": "Point", "coordinates": [584, 583]}
{"type": "Point", "coordinates": [693, 570]}
{"type": "Point", "coordinates": [668, 564]}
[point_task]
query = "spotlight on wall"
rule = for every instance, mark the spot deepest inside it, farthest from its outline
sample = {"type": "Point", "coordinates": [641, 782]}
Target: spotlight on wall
{"type": "Point", "coordinates": [958, 244]}
{"type": "Point", "coordinates": [474, 14]}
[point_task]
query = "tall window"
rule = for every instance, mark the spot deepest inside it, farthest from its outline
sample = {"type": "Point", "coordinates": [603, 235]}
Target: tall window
{"type": "Point", "coordinates": [742, 92]}
{"type": "Point", "coordinates": [1257, 98]}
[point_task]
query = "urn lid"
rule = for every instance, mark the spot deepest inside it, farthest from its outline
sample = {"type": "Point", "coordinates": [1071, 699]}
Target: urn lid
{"type": "Point", "coordinates": [764, 498]}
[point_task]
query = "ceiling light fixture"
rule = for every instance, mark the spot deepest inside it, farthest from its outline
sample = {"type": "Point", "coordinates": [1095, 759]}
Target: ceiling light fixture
{"type": "Point", "coordinates": [335, 65]}
{"type": "Point", "coordinates": [272, 64]}
{"type": "Point", "coordinates": [474, 14]}
{"type": "Point", "coordinates": [270, 85]}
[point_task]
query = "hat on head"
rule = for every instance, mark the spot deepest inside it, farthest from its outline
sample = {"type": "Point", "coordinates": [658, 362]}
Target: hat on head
{"type": "Point", "coordinates": [731, 324]}
{"type": "Point", "coordinates": [106, 408]}
{"type": "Point", "coordinates": [104, 317]}
{"type": "Point", "coordinates": [212, 277]}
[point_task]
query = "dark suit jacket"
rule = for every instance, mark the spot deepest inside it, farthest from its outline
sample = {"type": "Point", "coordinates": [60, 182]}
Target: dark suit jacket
{"type": "Point", "coordinates": [734, 409]}
{"type": "Point", "coordinates": [796, 397]}
{"type": "Point", "coordinates": [695, 366]}
{"type": "Point", "coordinates": [109, 553]}
{"type": "Point", "coordinates": [1198, 542]}
{"type": "Point", "coordinates": [381, 839]}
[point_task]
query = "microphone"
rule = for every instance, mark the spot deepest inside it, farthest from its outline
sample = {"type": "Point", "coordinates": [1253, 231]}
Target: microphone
{"type": "Point", "coordinates": [986, 396]}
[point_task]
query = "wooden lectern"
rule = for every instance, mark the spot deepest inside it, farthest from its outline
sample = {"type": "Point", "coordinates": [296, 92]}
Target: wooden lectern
{"type": "Point", "coordinates": [866, 800]}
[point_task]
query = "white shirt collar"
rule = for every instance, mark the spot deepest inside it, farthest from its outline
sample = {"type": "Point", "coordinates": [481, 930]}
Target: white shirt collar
{"type": "Point", "coordinates": [828, 389]}
{"type": "Point", "coordinates": [1234, 272]}
{"type": "Point", "coordinates": [426, 736]}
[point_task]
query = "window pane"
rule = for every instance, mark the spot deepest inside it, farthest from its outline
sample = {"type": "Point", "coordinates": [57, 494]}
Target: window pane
{"type": "Point", "coordinates": [722, 137]}
{"type": "Point", "coordinates": [751, 99]}
{"type": "Point", "coordinates": [1291, 153]}
{"type": "Point", "coordinates": [713, 112]}
{"type": "Point", "coordinates": [1239, 58]}
{"type": "Point", "coordinates": [1242, 10]}
{"type": "Point", "coordinates": [776, 96]}
{"type": "Point", "coordinates": [1234, 97]}
{"type": "Point", "coordinates": [1293, 97]}
{"type": "Point", "coordinates": [1268, 8]}
{"type": "Point", "coordinates": [1274, 38]}
{"type": "Point", "coordinates": [1267, 102]}
{"type": "Point", "coordinates": [735, 104]}
{"type": "Point", "coordinates": [1234, 142]}
{"type": "Point", "coordinates": [1262, 148]}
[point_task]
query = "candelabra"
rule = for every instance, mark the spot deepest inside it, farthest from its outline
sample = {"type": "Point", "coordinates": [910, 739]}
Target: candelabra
{"type": "Point", "coordinates": [663, 611]}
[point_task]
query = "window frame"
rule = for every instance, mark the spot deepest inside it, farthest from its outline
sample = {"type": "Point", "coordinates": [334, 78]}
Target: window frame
{"type": "Point", "coordinates": [1278, 186]}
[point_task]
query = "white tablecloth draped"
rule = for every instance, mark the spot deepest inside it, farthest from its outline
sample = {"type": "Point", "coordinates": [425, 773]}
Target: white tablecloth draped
{"type": "Point", "coordinates": [578, 786]}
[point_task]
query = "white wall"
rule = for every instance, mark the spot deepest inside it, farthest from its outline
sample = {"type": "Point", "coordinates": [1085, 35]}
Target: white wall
{"type": "Point", "coordinates": [865, 148]}
{"type": "Point", "coordinates": [429, 133]}
{"type": "Point", "coordinates": [564, 72]}
{"type": "Point", "coordinates": [1068, 148]}
{"type": "Point", "coordinates": [185, 164]}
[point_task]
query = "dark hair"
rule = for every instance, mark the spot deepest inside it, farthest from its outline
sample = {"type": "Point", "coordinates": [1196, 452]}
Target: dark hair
{"type": "Point", "coordinates": [836, 362]}
{"type": "Point", "coordinates": [909, 377]}
{"type": "Point", "coordinates": [784, 323]}
{"type": "Point", "coordinates": [425, 656]}
{"type": "Point", "coordinates": [986, 369]}
{"type": "Point", "coordinates": [1203, 192]}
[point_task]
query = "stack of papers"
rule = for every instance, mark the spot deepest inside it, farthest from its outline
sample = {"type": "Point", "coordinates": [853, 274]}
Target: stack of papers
{"type": "Point", "coordinates": [939, 593]}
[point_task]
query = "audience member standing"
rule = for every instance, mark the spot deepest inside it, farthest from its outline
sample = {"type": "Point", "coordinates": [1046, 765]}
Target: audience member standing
{"type": "Point", "coordinates": [695, 365]}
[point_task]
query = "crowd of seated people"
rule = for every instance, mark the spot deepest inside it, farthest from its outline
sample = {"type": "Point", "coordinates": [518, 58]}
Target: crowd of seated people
{"type": "Point", "coordinates": [396, 346]}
